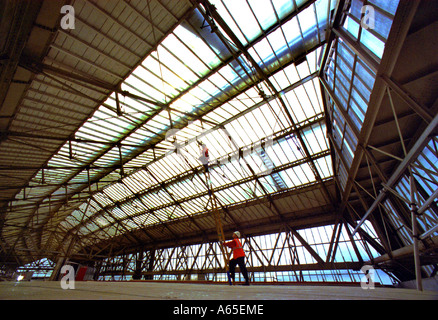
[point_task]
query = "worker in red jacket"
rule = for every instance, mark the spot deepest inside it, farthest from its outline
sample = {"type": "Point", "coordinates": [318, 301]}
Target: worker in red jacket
{"type": "Point", "coordinates": [238, 257]}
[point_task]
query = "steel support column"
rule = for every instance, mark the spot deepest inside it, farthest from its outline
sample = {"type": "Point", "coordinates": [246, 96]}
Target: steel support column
{"type": "Point", "coordinates": [415, 233]}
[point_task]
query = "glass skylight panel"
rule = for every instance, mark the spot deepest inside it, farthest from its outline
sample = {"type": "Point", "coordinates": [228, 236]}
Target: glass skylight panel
{"type": "Point", "coordinates": [187, 188]}
{"type": "Point", "coordinates": [251, 126]}
{"type": "Point", "coordinates": [355, 8]}
{"type": "Point", "coordinates": [156, 199]}
{"type": "Point", "coordinates": [179, 190]}
{"type": "Point", "coordinates": [90, 134]}
{"type": "Point", "coordinates": [352, 27]}
{"type": "Point", "coordinates": [178, 67]}
{"type": "Point", "coordinates": [308, 173]}
{"type": "Point", "coordinates": [134, 110]}
{"type": "Point", "coordinates": [202, 50]}
{"type": "Point", "coordinates": [194, 206]}
{"type": "Point", "coordinates": [104, 221]}
{"type": "Point", "coordinates": [307, 21]}
{"type": "Point", "coordinates": [238, 133]}
{"type": "Point", "coordinates": [361, 95]}
{"type": "Point", "coordinates": [163, 214]}
{"type": "Point", "coordinates": [110, 231]}
{"type": "Point", "coordinates": [280, 153]}
{"type": "Point", "coordinates": [229, 172]}
{"type": "Point", "coordinates": [315, 95]}
{"type": "Point", "coordinates": [280, 113]}
{"type": "Point", "coordinates": [69, 222]}
{"type": "Point", "coordinates": [229, 196]}
{"type": "Point", "coordinates": [372, 42]}
{"type": "Point", "coordinates": [278, 42]}
{"type": "Point", "coordinates": [151, 79]}
{"type": "Point", "coordinates": [218, 144]}
{"type": "Point", "coordinates": [101, 221]}
{"type": "Point", "coordinates": [114, 125]}
{"type": "Point", "coordinates": [292, 73]}
{"type": "Point", "coordinates": [77, 215]}
{"type": "Point", "coordinates": [294, 106]}
{"type": "Point", "coordinates": [310, 89]}
{"type": "Point", "coordinates": [324, 166]}
{"type": "Point", "coordinates": [388, 6]}
{"type": "Point", "coordinates": [195, 128]}
{"type": "Point", "coordinates": [263, 12]}
{"type": "Point", "coordinates": [204, 91]}
{"type": "Point", "coordinates": [315, 139]}
{"type": "Point", "coordinates": [239, 9]}
{"type": "Point", "coordinates": [140, 135]}
{"type": "Point", "coordinates": [382, 23]}
{"type": "Point", "coordinates": [159, 122]}
{"type": "Point", "coordinates": [235, 106]}
{"type": "Point", "coordinates": [176, 163]}
{"type": "Point", "coordinates": [117, 192]}
{"type": "Point", "coordinates": [63, 156]}
{"type": "Point", "coordinates": [83, 231]}
{"type": "Point", "coordinates": [189, 154]}
{"type": "Point", "coordinates": [303, 69]}
{"type": "Point", "coordinates": [287, 176]}
{"type": "Point", "coordinates": [130, 224]}
{"type": "Point", "coordinates": [220, 83]}
{"type": "Point", "coordinates": [262, 53]}
{"type": "Point", "coordinates": [267, 120]}
{"type": "Point", "coordinates": [341, 90]}
{"type": "Point", "coordinates": [154, 80]}
{"type": "Point", "coordinates": [109, 158]}
{"type": "Point", "coordinates": [141, 220]}
{"type": "Point", "coordinates": [159, 170]}
{"type": "Point", "coordinates": [157, 68]}
{"type": "Point", "coordinates": [312, 59]}
{"type": "Point", "coordinates": [102, 114]}
{"type": "Point", "coordinates": [173, 44]}
{"type": "Point", "coordinates": [147, 90]}
{"type": "Point", "coordinates": [291, 148]}
{"type": "Point", "coordinates": [186, 103]}
{"type": "Point", "coordinates": [378, 20]}
{"type": "Point", "coordinates": [280, 80]}
{"type": "Point", "coordinates": [178, 211]}
{"type": "Point", "coordinates": [292, 32]}
{"type": "Point", "coordinates": [348, 152]}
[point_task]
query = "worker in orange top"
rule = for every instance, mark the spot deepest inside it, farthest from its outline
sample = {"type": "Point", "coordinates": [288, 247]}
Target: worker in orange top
{"type": "Point", "coordinates": [238, 257]}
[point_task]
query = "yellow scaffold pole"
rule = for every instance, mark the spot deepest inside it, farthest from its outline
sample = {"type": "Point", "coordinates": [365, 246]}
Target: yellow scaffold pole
{"type": "Point", "coordinates": [215, 210]}
{"type": "Point", "coordinates": [218, 221]}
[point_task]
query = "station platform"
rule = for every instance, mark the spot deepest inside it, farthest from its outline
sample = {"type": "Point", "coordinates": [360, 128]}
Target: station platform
{"type": "Point", "coordinates": [150, 290]}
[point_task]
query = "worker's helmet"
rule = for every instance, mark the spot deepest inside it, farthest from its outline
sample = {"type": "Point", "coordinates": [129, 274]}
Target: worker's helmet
{"type": "Point", "coordinates": [237, 233]}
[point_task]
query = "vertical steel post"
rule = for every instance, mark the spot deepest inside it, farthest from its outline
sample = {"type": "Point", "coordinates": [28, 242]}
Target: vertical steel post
{"type": "Point", "coordinates": [415, 235]}
{"type": "Point", "coordinates": [122, 173]}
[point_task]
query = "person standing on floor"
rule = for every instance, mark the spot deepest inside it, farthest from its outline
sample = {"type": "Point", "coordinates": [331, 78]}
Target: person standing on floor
{"type": "Point", "coordinates": [238, 257]}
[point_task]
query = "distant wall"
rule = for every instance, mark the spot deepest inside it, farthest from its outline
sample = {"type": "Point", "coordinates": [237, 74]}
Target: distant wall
{"type": "Point", "coordinates": [429, 284]}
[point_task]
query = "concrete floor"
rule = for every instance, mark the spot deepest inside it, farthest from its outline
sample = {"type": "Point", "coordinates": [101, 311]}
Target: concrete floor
{"type": "Point", "coordinates": [97, 290]}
